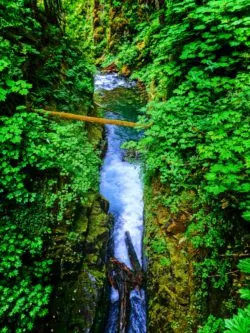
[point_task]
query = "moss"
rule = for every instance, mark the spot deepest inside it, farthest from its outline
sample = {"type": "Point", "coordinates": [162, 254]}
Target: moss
{"type": "Point", "coordinates": [81, 224]}
{"type": "Point", "coordinates": [79, 277]}
{"type": "Point", "coordinates": [171, 284]}
{"type": "Point", "coordinates": [95, 134]}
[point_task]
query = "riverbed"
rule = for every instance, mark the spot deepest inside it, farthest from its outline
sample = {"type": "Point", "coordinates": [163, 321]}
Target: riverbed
{"type": "Point", "coordinates": [121, 184]}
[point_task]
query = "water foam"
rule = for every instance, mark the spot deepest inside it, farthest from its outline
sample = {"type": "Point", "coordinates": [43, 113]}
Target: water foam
{"type": "Point", "coordinates": [122, 186]}
{"type": "Point", "coordinates": [111, 81]}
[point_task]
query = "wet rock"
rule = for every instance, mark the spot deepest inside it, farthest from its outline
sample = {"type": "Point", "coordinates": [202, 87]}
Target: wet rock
{"type": "Point", "coordinates": [79, 278]}
{"type": "Point", "coordinates": [130, 154]}
{"type": "Point", "coordinates": [110, 68]}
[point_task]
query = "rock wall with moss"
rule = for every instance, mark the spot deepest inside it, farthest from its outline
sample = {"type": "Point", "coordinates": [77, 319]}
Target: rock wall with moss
{"type": "Point", "coordinates": [171, 284]}
{"type": "Point", "coordinates": [180, 296]}
{"type": "Point", "coordinates": [78, 252]}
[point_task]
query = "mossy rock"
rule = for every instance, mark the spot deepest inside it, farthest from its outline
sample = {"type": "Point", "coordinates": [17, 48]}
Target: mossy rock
{"type": "Point", "coordinates": [171, 284]}
{"type": "Point", "coordinates": [79, 277]}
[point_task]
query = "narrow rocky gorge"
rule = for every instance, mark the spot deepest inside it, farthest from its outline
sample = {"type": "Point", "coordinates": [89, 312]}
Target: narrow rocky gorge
{"type": "Point", "coordinates": [121, 229]}
{"type": "Point", "coordinates": [121, 184]}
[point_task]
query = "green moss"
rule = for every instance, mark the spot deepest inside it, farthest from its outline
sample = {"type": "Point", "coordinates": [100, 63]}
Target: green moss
{"type": "Point", "coordinates": [78, 252]}
{"type": "Point", "coordinates": [81, 224]}
{"type": "Point", "coordinates": [171, 283]}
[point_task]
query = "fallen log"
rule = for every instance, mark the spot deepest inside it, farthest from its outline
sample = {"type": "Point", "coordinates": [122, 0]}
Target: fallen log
{"type": "Point", "coordinates": [97, 120]}
{"type": "Point", "coordinates": [132, 254]}
{"type": "Point", "coordinates": [120, 277]}
{"type": "Point", "coordinates": [124, 279]}
{"type": "Point", "coordinates": [124, 307]}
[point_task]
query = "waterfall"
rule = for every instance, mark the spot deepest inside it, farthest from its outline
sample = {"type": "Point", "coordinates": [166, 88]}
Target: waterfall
{"type": "Point", "coordinates": [122, 186]}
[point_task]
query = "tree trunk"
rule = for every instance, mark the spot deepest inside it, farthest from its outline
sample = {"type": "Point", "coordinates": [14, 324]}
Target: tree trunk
{"type": "Point", "coordinates": [124, 279]}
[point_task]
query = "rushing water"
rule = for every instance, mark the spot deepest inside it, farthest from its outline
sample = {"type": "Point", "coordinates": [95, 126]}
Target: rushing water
{"type": "Point", "coordinates": [121, 185]}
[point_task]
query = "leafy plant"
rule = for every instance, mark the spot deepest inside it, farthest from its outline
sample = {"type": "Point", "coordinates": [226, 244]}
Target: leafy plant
{"type": "Point", "coordinates": [47, 167]}
{"type": "Point", "coordinates": [213, 325]}
{"type": "Point", "coordinates": [241, 321]}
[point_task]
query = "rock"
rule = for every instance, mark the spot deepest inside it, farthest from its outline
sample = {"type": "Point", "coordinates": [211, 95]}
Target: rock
{"type": "Point", "coordinates": [171, 284]}
{"type": "Point", "coordinates": [110, 68]}
{"type": "Point", "coordinates": [125, 70]}
{"type": "Point", "coordinates": [176, 228]}
{"type": "Point", "coordinates": [79, 278]}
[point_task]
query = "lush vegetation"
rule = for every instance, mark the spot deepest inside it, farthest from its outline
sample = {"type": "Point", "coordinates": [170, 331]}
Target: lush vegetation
{"type": "Point", "coordinates": [47, 167]}
{"type": "Point", "coordinates": [193, 58]}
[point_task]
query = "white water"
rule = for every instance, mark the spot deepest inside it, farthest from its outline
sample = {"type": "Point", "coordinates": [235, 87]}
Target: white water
{"type": "Point", "coordinates": [121, 185]}
{"type": "Point", "coordinates": [111, 81]}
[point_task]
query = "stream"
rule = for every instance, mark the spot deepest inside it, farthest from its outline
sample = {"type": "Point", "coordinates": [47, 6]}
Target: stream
{"type": "Point", "coordinates": [122, 186]}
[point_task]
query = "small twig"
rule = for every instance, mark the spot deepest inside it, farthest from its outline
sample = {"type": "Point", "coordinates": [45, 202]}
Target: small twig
{"type": "Point", "coordinates": [219, 275]}
{"type": "Point", "coordinates": [235, 255]}
{"type": "Point", "coordinates": [99, 105]}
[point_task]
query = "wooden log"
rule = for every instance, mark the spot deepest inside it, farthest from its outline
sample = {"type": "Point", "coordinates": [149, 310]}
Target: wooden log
{"type": "Point", "coordinates": [138, 273]}
{"type": "Point", "coordinates": [124, 307]}
{"type": "Point", "coordinates": [103, 121]}
{"type": "Point", "coordinates": [132, 254]}
{"type": "Point", "coordinates": [124, 279]}
{"type": "Point", "coordinates": [120, 276]}
{"type": "Point", "coordinates": [122, 266]}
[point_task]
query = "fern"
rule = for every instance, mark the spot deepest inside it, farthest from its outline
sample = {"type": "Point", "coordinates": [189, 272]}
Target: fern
{"type": "Point", "coordinates": [240, 323]}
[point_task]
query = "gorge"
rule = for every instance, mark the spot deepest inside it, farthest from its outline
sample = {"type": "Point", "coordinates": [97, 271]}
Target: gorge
{"type": "Point", "coordinates": [115, 228]}
{"type": "Point", "coordinates": [121, 185]}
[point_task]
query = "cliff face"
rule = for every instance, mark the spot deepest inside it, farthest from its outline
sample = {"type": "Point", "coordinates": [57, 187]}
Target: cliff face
{"type": "Point", "coordinates": [171, 284]}
{"type": "Point", "coordinates": [179, 296]}
{"type": "Point", "coordinates": [78, 253]}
